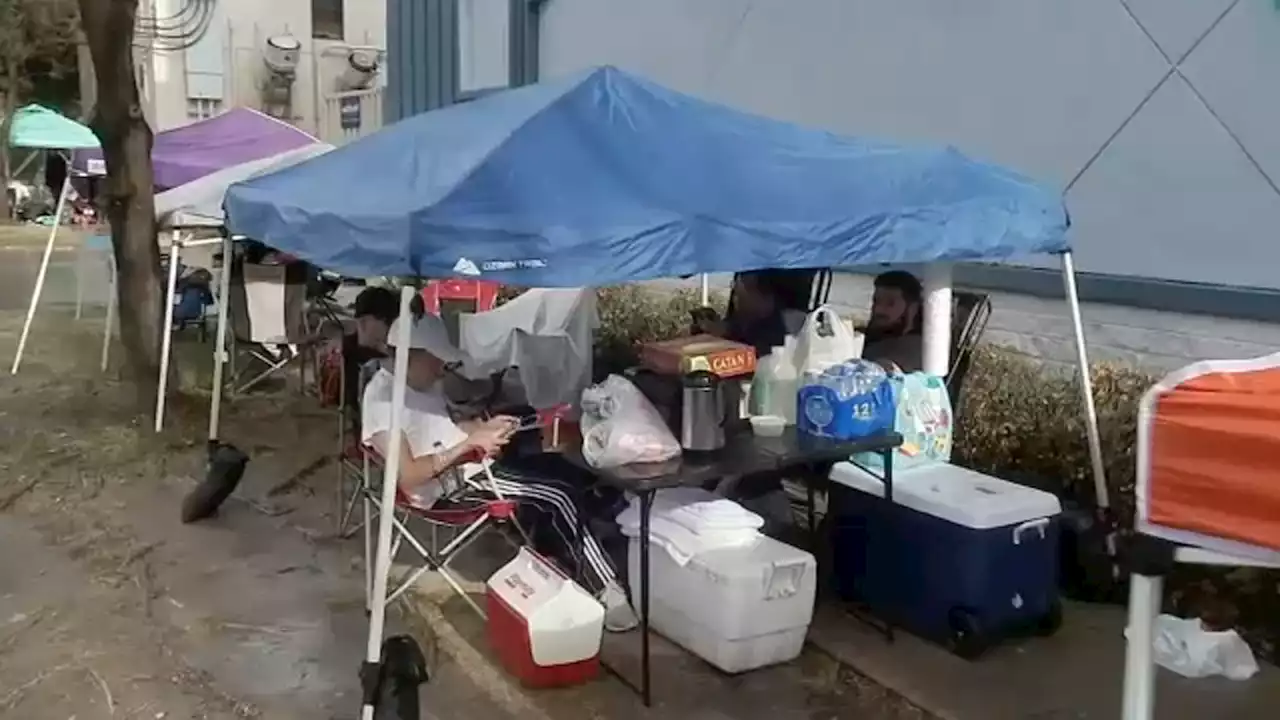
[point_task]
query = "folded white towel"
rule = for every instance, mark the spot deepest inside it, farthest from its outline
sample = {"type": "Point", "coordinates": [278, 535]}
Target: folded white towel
{"type": "Point", "coordinates": [716, 515]}
{"type": "Point", "coordinates": [679, 544]}
{"type": "Point", "coordinates": [664, 501]}
{"type": "Point", "coordinates": [676, 523]}
{"type": "Point", "coordinates": [683, 545]}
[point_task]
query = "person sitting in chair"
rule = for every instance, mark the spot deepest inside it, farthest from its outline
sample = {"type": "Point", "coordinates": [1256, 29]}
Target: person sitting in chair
{"type": "Point", "coordinates": [375, 308]}
{"type": "Point", "coordinates": [435, 451]}
{"type": "Point", "coordinates": [755, 319]}
{"type": "Point", "coordinates": [894, 337]}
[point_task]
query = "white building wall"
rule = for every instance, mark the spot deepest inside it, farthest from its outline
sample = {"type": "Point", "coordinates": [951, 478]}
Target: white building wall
{"type": "Point", "coordinates": [482, 45]}
{"type": "Point", "coordinates": [238, 35]}
{"type": "Point", "coordinates": [1156, 117]}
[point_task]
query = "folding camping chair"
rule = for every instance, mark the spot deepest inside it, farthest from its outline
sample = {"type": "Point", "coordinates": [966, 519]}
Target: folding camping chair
{"type": "Point", "coordinates": [450, 298]}
{"type": "Point", "coordinates": [461, 521]}
{"type": "Point", "coordinates": [970, 313]}
{"type": "Point", "coordinates": [268, 311]}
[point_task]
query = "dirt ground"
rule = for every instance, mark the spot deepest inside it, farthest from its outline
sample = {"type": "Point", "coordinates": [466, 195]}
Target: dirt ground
{"type": "Point", "coordinates": [110, 608]}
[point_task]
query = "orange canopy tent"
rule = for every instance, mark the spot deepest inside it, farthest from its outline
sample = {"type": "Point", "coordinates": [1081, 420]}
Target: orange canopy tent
{"type": "Point", "coordinates": [1208, 483]}
{"type": "Point", "coordinates": [1208, 445]}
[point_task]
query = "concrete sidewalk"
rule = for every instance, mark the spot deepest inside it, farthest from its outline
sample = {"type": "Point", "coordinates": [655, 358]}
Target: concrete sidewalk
{"type": "Point", "coordinates": [1078, 673]}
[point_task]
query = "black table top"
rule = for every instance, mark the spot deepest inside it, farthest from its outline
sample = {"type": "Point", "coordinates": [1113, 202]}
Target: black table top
{"type": "Point", "coordinates": [743, 454]}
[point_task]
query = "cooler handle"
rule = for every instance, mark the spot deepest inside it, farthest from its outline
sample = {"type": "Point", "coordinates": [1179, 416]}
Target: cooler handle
{"type": "Point", "coordinates": [1028, 526]}
{"type": "Point", "coordinates": [783, 580]}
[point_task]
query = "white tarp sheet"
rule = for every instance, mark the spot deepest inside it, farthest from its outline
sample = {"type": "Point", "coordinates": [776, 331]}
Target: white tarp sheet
{"type": "Point", "coordinates": [199, 202]}
{"type": "Point", "coordinates": [545, 334]}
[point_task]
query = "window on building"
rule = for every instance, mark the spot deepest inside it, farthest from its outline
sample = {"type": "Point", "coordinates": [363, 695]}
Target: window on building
{"type": "Point", "coordinates": [327, 22]}
{"type": "Point", "coordinates": [203, 108]}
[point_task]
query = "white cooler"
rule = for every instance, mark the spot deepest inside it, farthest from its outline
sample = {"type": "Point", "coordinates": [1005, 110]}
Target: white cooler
{"type": "Point", "coordinates": [738, 608]}
{"type": "Point", "coordinates": [544, 628]}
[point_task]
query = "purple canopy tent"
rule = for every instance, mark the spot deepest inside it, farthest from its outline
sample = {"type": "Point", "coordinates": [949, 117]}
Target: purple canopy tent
{"type": "Point", "coordinates": [192, 151]}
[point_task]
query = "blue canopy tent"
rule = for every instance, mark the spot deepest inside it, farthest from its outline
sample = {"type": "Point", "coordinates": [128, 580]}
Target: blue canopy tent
{"type": "Point", "coordinates": [603, 178]}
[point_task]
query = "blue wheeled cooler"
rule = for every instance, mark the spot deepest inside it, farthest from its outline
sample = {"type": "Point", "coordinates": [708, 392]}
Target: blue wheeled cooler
{"type": "Point", "coordinates": [958, 557]}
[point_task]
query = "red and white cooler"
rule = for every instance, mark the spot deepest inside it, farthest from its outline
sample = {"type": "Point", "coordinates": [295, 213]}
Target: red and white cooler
{"type": "Point", "coordinates": [545, 628]}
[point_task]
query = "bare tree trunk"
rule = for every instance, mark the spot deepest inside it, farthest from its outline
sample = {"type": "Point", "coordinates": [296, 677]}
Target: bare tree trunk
{"type": "Point", "coordinates": [126, 140]}
{"type": "Point", "coordinates": [8, 104]}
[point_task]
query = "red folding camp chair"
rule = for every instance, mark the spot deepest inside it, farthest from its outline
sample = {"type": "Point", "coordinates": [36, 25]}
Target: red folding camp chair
{"type": "Point", "coordinates": [480, 295]}
{"type": "Point", "coordinates": [462, 521]}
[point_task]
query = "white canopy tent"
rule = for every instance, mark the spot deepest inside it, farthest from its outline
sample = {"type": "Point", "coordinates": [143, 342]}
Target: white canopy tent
{"type": "Point", "coordinates": [198, 205]}
{"type": "Point", "coordinates": [39, 128]}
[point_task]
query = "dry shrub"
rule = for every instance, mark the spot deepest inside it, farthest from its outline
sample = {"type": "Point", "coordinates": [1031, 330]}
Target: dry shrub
{"type": "Point", "coordinates": [1018, 419]}
{"type": "Point", "coordinates": [631, 315]}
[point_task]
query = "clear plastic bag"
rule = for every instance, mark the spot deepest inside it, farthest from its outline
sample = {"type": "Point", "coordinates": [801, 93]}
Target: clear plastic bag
{"type": "Point", "coordinates": [620, 426]}
{"type": "Point", "coordinates": [1184, 646]}
{"type": "Point", "coordinates": [826, 340]}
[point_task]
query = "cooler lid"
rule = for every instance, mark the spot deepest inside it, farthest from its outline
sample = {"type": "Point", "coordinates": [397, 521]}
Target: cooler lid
{"type": "Point", "coordinates": [955, 494]}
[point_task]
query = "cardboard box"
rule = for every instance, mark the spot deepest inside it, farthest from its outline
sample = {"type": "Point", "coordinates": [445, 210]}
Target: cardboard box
{"type": "Point", "coordinates": [701, 352]}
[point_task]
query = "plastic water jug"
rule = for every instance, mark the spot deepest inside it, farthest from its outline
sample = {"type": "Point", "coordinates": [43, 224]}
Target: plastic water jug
{"type": "Point", "coordinates": [758, 403]}
{"type": "Point", "coordinates": [773, 391]}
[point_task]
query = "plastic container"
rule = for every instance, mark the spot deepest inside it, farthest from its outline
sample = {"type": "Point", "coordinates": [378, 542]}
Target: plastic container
{"type": "Point", "coordinates": [758, 402]}
{"type": "Point", "coordinates": [959, 557]}
{"type": "Point", "coordinates": [544, 628]}
{"type": "Point", "coordinates": [768, 425]}
{"type": "Point", "coordinates": [738, 608]}
{"type": "Point", "coordinates": [785, 382]}
{"type": "Point", "coordinates": [846, 401]}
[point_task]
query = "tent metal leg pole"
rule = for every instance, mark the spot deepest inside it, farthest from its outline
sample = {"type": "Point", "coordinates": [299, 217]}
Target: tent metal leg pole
{"type": "Point", "coordinates": [113, 302]}
{"type": "Point", "coordinates": [40, 277]}
{"type": "Point", "coordinates": [1139, 666]}
{"type": "Point", "coordinates": [166, 340]}
{"type": "Point", "coordinates": [367, 510]}
{"type": "Point", "coordinates": [387, 504]}
{"type": "Point", "coordinates": [80, 263]}
{"type": "Point", "coordinates": [31, 156]}
{"type": "Point", "coordinates": [706, 290]}
{"type": "Point", "coordinates": [937, 319]}
{"type": "Point", "coordinates": [1103, 496]}
{"type": "Point", "coordinates": [220, 340]}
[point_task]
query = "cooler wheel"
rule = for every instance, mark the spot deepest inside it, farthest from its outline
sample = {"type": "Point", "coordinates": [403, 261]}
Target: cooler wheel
{"type": "Point", "coordinates": [1051, 622]}
{"type": "Point", "coordinates": [968, 638]}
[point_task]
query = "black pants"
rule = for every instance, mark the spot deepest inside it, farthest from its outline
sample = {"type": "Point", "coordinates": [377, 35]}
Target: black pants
{"type": "Point", "coordinates": [557, 503]}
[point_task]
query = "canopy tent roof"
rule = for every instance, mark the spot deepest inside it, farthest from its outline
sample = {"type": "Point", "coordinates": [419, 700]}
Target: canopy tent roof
{"type": "Point", "coordinates": [603, 177]}
{"type": "Point", "coordinates": [192, 151]}
{"type": "Point", "coordinates": [1208, 436]}
{"type": "Point", "coordinates": [199, 202]}
{"type": "Point", "coordinates": [37, 127]}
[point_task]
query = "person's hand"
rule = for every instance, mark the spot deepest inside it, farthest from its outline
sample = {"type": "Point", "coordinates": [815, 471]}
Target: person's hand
{"type": "Point", "coordinates": [705, 320]}
{"type": "Point", "coordinates": [503, 423]}
{"type": "Point", "coordinates": [489, 440]}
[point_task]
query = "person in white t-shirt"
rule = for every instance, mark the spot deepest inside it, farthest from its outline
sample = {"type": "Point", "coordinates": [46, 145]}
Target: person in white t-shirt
{"type": "Point", "coordinates": [436, 451]}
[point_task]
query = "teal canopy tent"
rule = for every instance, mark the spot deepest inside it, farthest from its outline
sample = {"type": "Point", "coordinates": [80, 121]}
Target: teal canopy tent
{"type": "Point", "coordinates": [38, 128]}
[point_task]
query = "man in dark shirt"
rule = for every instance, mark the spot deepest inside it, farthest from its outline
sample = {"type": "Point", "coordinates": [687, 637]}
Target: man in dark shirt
{"type": "Point", "coordinates": [755, 319]}
{"type": "Point", "coordinates": [894, 334]}
{"type": "Point", "coordinates": [375, 309]}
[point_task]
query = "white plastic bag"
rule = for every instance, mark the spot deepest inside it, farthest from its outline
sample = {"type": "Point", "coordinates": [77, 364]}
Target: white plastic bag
{"type": "Point", "coordinates": [826, 340]}
{"type": "Point", "coordinates": [620, 426]}
{"type": "Point", "coordinates": [1186, 648]}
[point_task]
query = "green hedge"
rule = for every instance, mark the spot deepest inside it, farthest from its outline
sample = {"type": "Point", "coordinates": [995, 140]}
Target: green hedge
{"type": "Point", "coordinates": [1016, 419]}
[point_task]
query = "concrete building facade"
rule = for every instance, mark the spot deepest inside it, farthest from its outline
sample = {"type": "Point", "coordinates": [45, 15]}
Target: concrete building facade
{"type": "Point", "coordinates": [225, 68]}
{"type": "Point", "coordinates": [1155, 118]}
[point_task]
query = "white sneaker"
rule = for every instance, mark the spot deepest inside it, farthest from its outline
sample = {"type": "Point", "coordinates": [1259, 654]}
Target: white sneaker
{"type": "Point", "coordinates": [618, 615]}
